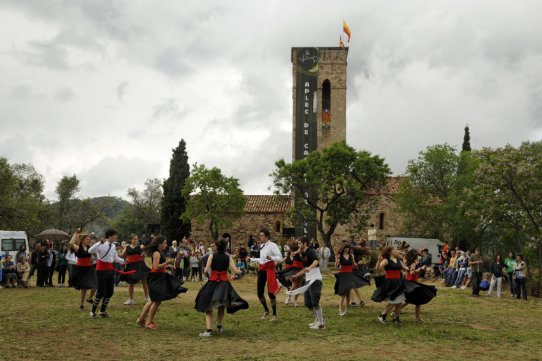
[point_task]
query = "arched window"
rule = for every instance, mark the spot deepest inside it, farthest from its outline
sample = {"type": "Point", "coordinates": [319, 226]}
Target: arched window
{"type": "Point", "coordinates": [381, 221]}
{"type": "Point", "coordinates": [326, 102]}
{"type": "Point", "coordinates": [277, 226]}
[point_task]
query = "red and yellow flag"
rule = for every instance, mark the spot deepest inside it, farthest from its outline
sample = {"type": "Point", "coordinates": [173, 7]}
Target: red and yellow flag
{"type": "Point", "coordinates": [346, 30]}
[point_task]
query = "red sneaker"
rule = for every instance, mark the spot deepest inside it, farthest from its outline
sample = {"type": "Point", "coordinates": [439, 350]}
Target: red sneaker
{"type": "Point", "coordinates": [151, 325]}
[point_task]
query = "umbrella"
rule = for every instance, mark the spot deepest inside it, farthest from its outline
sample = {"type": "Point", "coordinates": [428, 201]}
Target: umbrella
{"type": "Point", "coordinates": [53, 235]}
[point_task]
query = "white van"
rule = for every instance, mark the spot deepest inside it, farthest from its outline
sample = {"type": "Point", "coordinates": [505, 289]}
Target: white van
{"type": "Point", "coordinates": [432, 245]}
{"type": "Point", "coordinates": [10, 242]}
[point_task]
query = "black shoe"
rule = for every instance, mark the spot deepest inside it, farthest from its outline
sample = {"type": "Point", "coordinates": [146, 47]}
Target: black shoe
{"type": "Point", "coordinates": [396, 320]}
{"type": "Point", "coordinates": [103, 315]}
{"type": "Point", "coordinates": [89, 300]}
{"type": "Point", "coordinates": [81, 307]}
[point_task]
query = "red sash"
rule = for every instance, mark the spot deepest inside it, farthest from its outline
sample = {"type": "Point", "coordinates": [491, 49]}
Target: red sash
{"type": "Point", "coordinates": [393, 274]}
{"type": "Point", "coordinates": [133, 258]}
{"type": "Point", "coordinates": [106, 266]}
{"type": "Point", "coordinates": [297, 264]}
{"type": "Point", "coordinates": [411, 277]}
{"type": "Point", "coordinates": [219, 276]}
{"type": "Point", "coordinates": [84, 262]}
{"type": "Point", "coordinates": [272, 284]}
{"type": "Point", "coordinates": [346, 269]}
{"type": "Point", "coordinates": [288, 266]}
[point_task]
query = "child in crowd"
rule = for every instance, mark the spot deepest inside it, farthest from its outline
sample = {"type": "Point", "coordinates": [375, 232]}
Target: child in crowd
{"type": "Point", "coordinates": [23, 269]}
{"type": "Point", "coordinates": [10, 272]}
{"type": "Point", "coordinates": [242, 267]}
{"type": "Point", "coordinates": [194, 265]}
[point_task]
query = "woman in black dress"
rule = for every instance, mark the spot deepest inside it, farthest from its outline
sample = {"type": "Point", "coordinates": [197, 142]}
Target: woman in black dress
{"type": "Point", "coordinates": [134, 261]}
{"type": "Point", "coordinates": [293, 264]}
{"type": "Point", "coordinates": [84, 275]}
{"type": "Point", "coordinates": [392, 289]}
{"type": "Point", "coordinates": [162, 285]}
{"type": "Point", "coordinates": [347, 280]}
{"type": "Point", "coordinates": [416, 293]}
{"type": "Point", "coordinates": [218, 291]}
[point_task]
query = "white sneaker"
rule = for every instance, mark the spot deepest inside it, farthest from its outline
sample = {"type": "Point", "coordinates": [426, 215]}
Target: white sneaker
{"type": "Point", "coordinates": [287, 300]}
{"type": "Point", "coordinates": [129, 302]}
{"type": "Point", "coordinates": [463, 287]}
{"type": "Point", "coordinates": [318, 326]}
{"type": "Point", "coordinates": [311, 325]}
{"type": "Point", "coordinates": [342, 313]}
{"type": "Point", "coordinates": [206, 334]}
{"type": "Point", "coordinates": [454, 286]}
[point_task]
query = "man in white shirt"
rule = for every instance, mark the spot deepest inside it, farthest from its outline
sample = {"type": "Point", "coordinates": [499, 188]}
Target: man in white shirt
{"type": "Point", "coordinates": [269, 254]}
{"type": "Point", "coordinates": [106, 253]}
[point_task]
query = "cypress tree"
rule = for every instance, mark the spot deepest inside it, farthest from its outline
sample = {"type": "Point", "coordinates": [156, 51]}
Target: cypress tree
{"type": "Point", "coordinates": [173, 201]}
{"type": "Point", "coordinates": [466, 140]}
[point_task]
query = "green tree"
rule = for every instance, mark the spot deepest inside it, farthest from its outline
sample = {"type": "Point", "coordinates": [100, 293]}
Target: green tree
{"type": "Point", "coordinates": [173, 201]}
{"type": "Point", "coordinates": [510, 180]}
{"type": "Point", "coordinates": [435, 196]}
{"type": "Point", "coordinates": [66, 189]}
{"type": "Point", "coordinates": [213, 199]}
{"type": "Point", "coordinates": [144, 209]}
{"type": "Point", "coordinates": [466, 140]}
{"type": "Point", "coordinates": [22, 204]}
{"type": "Point", "coordinates": [334, 185]}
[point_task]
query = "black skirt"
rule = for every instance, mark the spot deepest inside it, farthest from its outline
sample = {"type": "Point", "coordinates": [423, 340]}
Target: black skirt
{"type": "Point", "coordinates": [418, 293]}
{"type": "Point", "coordinates": [346, 281]}
{"type": "Point", "coordinates": [163, 286]}
{"type": "Point", "coordinates": [215, 294]}
{"type": "Point", "coordinates": [142, 272]}
{"type": "Point", "coordinates": [284, 276]}
{"type": "Point", "coordinates": [389, 289]}
{"type": "Point", "coordinates": [84, 278]}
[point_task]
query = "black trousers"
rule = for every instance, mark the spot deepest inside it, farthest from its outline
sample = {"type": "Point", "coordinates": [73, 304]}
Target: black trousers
{"type": "Point", "coordinates": [475, 280]}
{"type": "Point", "coordinates": [262, 280]}
{"type": "Point", "coordinates": [105, 284]}
{"type": "Point", "coordinates": [62, 274]}
{"type": "Point", "coordinates": [42, 275]}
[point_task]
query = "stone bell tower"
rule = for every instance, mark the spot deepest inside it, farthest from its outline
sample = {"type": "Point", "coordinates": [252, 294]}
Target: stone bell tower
{"type": "Point", "coordinates": [319, 98]}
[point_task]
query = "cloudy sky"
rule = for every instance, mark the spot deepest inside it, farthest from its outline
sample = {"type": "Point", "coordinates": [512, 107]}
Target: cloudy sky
{"type": "Point", "coordinates": [105, 89]}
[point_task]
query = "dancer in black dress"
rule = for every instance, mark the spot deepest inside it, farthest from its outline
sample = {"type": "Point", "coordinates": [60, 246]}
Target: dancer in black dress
{"type": "Point", "coordinates": [218, 292]}
{"type": "Point", "coordinates": [347, 280]}
{"type": "Point", "coordinates": [392, 290]}
{"type": "Point", "coordinates": [134, 261]}
{"type": "Point", "coordinates": [84, 276]}
{"type": "Point", "coordinates": [162, 285]}
{"type": "Point", "coordinates": [293, 264]}
{"type": "Point", "coordinates": [421, 293]}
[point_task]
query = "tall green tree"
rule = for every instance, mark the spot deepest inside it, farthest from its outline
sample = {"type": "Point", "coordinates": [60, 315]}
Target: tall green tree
{"type": "Point", "coordinates": [22, 203]}
{"type": "Point", "coordinates": [213, 199]}
{"type": "Point", "coordinates": [174, 202]}
{"type": "Point", "coordinates": [66, 189]}
{"type": "Point", "coordinates": [334, 185]}
{"type": "Point", "coordinates": [466, 140]}
{"type": "Point", "coordinates": [510, 180]}
{"type": "Point", "coordinates": [436, 196]}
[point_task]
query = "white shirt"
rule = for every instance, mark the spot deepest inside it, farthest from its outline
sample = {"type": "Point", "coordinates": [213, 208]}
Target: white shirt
{"type": "Point", "coordinates": [268, 249]}
{"type": "Point", "coordinates": [106, 252]}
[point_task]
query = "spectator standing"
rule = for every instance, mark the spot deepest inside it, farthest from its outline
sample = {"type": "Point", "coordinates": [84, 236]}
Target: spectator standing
{"type": "Point", "coordinates": [51, 262]}
{"type": "Point", "coordinates": [195, 259]}
{"type": "Point", "coordinates": [42, 257]}
{"type": "Point", "coordinates": [173, 250]}
{"type": "Point", "coordinates": [475, 263]}
{"type": "Point", "coordinates": [497, 275]}
{"type": "Point", "coordinates": [520, 271]}
{"type": "Point", "coordinates": [62, 265]}
{"type": "Point", "coordinates": [21, 252]}
{"type": "Point", "coordinates": [510, 263]}
{"type": "Point", "coordinates": [323, 254]}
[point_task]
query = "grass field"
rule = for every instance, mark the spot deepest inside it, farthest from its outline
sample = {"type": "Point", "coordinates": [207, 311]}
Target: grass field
{"type": "Point", "coordinates": [45, 324]}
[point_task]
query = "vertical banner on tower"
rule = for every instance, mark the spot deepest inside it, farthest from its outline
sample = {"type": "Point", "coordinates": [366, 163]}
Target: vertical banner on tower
{"type": "Point", "coordinates": [306, 122]}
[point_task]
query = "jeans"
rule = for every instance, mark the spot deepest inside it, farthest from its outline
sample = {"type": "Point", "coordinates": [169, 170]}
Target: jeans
{"type": "Point", "coordinates": [498, 281]}
{"type": "Point", "coordinates": [460, 274]}
{"type": "Point", "coordinates": [476, 283]}
{"type": "Point", "coordinates": [521, 286]}
{"type": "Point", "coordinates": [512, 283]}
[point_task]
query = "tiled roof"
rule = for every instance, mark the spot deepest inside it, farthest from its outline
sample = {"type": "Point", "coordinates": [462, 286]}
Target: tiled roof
{"type": "Point", "coordinates": [266, 203]}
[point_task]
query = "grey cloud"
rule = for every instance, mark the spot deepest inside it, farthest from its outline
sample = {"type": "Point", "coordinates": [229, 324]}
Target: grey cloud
{"type": "Point", "coordinates": [28, 90]}
{"type": "Point", "coordinates": [65, 94]}
{"type": "Point", "coordinates": [121, 90]}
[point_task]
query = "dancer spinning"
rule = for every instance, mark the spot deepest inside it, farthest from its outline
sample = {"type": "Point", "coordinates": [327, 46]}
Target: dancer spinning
{"type": "Point", "coordinates": [162, 285]}
{"type": "Point", "coordinates": [218, 292]}
{"type": "Point", "coordinates": [269, 254]}
{"type": "Point", "coordinates": [84, 275]}
{"type": "Point", "coordinates": [347, 280]}
{"type": "Point", "coordinates": [106, 253]}
{"type": "Point", "coordinates": [313, 288]}
{"type": "Point", "coordinates": [293, 264]}
{"type": "Point", "coordinates": [393, 289]}
{"type": "Point", "coordinates": [421, 294]}
{"type": "Point", "coordinates": [134, 261]}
